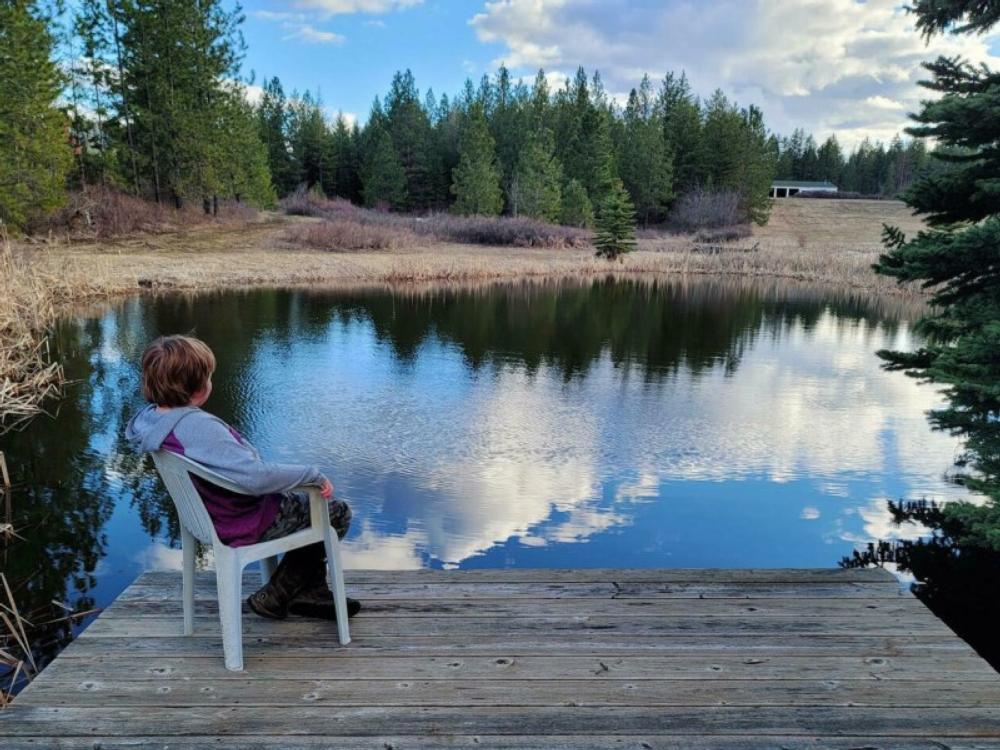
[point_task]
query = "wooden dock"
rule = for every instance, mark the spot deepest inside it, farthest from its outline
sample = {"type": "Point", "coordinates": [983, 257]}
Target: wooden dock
{"type": "Point", "coordinates": [692, 659]}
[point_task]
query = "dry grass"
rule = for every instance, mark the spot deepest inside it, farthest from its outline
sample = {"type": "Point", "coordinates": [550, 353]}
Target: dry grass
{"type": "Point", "coordinates": [34, 288]}
{"type": "Point", "coordinates": [27, 376]}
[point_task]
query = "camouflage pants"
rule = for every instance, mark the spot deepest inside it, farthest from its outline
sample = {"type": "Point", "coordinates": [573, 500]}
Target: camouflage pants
{"type": "Point", "coordinates": [303, 567]}
{"type": "Point", "coordinates": [294, 516]}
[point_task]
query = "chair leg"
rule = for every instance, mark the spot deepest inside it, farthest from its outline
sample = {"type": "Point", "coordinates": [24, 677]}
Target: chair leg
{"type": "Point", "coordinates": [229, 577]}
{"type": "Point", "coordinates": [188, 547]}
{"type": "Point", "coordinates": [332, 545]}
{"type": "Point", "coordinates": [267, 567]}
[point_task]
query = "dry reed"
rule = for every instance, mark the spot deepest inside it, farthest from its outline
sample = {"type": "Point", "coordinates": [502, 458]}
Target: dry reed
{"type": "Point", "coordinates": [18, 658]}
{"type": "Point", "coordinates": [27, 374]}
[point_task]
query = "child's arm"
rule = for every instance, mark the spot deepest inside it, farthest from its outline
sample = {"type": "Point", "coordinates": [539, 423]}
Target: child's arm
{"type": "Point", "coordinates": [210, 441]}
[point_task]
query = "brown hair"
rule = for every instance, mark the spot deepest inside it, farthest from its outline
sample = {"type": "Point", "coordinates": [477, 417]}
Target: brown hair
{"type": "Point", "coordinates": [174, 368]}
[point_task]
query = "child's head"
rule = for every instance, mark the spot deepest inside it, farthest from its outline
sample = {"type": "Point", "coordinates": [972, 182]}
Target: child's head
{"type": "Point", "coordinates": [177, 371]}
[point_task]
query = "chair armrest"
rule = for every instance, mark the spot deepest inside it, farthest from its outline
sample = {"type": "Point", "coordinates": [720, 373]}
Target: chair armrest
{"type": "Point", "coordinates": [319, 509]}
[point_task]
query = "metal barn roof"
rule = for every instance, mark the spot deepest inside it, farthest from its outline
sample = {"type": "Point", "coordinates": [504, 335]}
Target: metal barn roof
{"type": "Point", "coordinates": [804, 184]}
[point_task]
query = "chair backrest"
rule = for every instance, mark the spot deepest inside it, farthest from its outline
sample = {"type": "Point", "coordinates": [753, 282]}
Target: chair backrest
{"type": "Point", "coordinates": [175, 471]}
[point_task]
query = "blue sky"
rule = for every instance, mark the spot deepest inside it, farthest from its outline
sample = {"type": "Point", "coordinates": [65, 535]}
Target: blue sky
{"type": "Point", "coordinates": [831, 66]}
{"type": "Point", "coordinates": [433, 39]}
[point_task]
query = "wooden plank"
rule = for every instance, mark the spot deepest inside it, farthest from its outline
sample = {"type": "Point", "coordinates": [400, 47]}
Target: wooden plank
{"type": "Point", "coordinates": [511, 742]}
{"type": "Point", "coordinates": [592, 575]}
{"type": "Point", "coordinates": [934, 667]}
{"type": "Point", "coordinates": [602, 643]}
{"type": "Point", "coordinates": [894, 607]}
{"type": "Point", "coordinates": [472, 627]}
{"type": "Point", "coordinates": [262, 691]}
{"type": "Point", "coordinates": [205, 589]}
{"type": "Point", "coordinates": [373, 721]}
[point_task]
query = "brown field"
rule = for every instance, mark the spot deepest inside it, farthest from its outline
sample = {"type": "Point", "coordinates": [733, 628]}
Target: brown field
{"type": "Point", "coordinates": [824, 241]}
{"type": "Point", "coordinates": [827, 242]}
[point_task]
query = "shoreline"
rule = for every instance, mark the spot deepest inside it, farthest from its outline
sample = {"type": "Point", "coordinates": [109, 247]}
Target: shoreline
{"type": "Point", "coordinates": [209, 259]}
{"type": "Point", "coordinates": [827, 244]}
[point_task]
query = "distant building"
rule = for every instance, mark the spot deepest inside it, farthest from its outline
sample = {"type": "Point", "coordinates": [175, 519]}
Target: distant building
{"type": "Point", "coordinates": [786, 188]}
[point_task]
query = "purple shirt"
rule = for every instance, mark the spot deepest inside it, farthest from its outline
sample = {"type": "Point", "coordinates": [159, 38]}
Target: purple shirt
{"type": "Point", "coordinates": [239, 520]}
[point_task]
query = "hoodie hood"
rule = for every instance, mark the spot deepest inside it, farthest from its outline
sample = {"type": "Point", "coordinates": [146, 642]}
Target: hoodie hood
{"type": "Point", "coordinates": [147, 430]}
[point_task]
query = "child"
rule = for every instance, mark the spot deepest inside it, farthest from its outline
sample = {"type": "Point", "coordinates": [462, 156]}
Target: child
{"type": "Point", "coordinates": [177, 381]}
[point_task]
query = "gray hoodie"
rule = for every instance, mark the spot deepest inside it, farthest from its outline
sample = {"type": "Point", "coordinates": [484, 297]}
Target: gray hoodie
{"type": "Point", "coordinates": [239, 519]}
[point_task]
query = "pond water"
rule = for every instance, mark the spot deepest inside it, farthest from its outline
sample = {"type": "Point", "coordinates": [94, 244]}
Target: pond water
{"type": "Point", "coordinates": [598, 424]}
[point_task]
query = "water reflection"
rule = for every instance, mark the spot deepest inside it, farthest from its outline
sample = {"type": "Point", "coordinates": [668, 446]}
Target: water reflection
{"type": "Point", "coordinates": [589, 424]}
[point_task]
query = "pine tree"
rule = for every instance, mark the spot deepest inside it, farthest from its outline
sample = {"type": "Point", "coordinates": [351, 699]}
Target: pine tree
{"type": "Point", "coordinates": [646, 167]}
{"type": "Point", "coordinates": [742, 159]}
{"type": "Point", "coordinates": [959, 258]}
{"type": "Point", "coordinates": [34, 150]}
{"type": "Point", "coordinates": [536, 187]}
{"type": "Point", "coordinates": [272, 120]}
{"type": "Point", "coordinates": [831, 160]}
{"type": "Point", "coordinates": [384, 180]}
{"type": "Point", "coordinates": [682, 132]}
{"type": "Point", "coordinates": [409, 126]}
{"type": "Point", "coordinates": [576, 210]}
{"type": "Point", "coordinates": [307, 139]}
{"type": "Point", "coordinates": [346, 180]}
{"type": "Point", "coordinates": [242, 160]}
{"type": "Point", "coordinates": [476, 180]}
{"type": "Point", "coordinates": [178, 62]}
{"type": "Point", "coordinates": [615, 223]}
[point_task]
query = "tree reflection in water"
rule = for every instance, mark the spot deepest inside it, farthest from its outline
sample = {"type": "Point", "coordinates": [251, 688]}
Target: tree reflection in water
{"type": "Point", "coordinates": [960, 583]}
{"type": "Point", "coordinates": [75, 475]}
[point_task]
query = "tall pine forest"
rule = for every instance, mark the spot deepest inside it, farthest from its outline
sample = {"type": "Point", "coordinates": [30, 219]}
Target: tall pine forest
{"type": "Point", "coordinates": [150, 97]}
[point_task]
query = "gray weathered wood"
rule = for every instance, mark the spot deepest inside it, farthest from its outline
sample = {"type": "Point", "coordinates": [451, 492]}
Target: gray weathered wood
{"type": "Point", "coordinates": [470, 627]}
{"type": "Point", "coordinates": [205, 589]}
{"type": "Point", "coordinates": [555, 659]}
{"type": "Point", "coordinates": [506, 742]}
{"type": "Point", "coordinates": [895, 607]}
{"type": "Point", "coordinates": [934, 667]}
{"type": "Point", "coordinates": [281, 643]}
{"type": "Point", "coordinates": [577, 575]}
{"type": "Point", "coordinates": [94, 692]}
{"type": "Point", "coordinates": [376, 720]}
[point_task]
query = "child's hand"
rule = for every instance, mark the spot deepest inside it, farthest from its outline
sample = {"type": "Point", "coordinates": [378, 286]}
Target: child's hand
{"type": "Point", "coordinates": [327, 489]}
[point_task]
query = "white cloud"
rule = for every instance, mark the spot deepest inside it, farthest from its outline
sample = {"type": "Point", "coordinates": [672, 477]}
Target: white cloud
{"type": "Point", "coordinates": [310, 35]}
{"type": "Point", "coordinates": [346, 7]}
{"type": "Point", "coordinates": [253, 93]}
{"type": "Point", "coordinates": [268, 15]}
{"type": "Point", "coordinates": [827, 65]}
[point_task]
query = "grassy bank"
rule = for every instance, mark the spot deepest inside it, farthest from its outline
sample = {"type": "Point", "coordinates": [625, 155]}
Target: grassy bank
{"type": "Point", "coordinates": [825, 242]}
{"type": "Point", "coordinates": [27, 308]}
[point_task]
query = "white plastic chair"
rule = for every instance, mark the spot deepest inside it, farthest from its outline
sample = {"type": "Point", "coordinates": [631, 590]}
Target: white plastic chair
{"type": "Point", "coordinates": [176, 471]}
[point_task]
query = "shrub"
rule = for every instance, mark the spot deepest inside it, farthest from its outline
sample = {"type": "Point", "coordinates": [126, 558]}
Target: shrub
{"type": "Point", "coordinates": [707, 209]}
{"type": "Point", "coordinates": [843, 195]}
{"type": "Point", "coordinates": [346, 234]}
{"type": "Point", "coordinates": [104, 212]}
{"type": "Point", "coordinates": [519, 231]}
{"type": "Point", "coordinates": [724, 234]}
{"type": "Point", "coordinates": [478, 230]}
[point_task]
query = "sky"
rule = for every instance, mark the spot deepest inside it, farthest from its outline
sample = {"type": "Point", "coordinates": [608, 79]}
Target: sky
{"type": "Point", "coordinates": [848, 67]}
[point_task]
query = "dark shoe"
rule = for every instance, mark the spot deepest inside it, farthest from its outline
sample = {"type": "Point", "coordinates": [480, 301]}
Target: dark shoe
{"type": "Point", "coordinates": [292, 575]}
{"type": "Point", "coordinates": [317, 601]}
{"type": "Point", "coordinates": [266, 602]}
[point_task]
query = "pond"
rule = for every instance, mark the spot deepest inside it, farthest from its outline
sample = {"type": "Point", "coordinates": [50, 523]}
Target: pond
{"type": "Point", "coordinates": [585, 424]}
